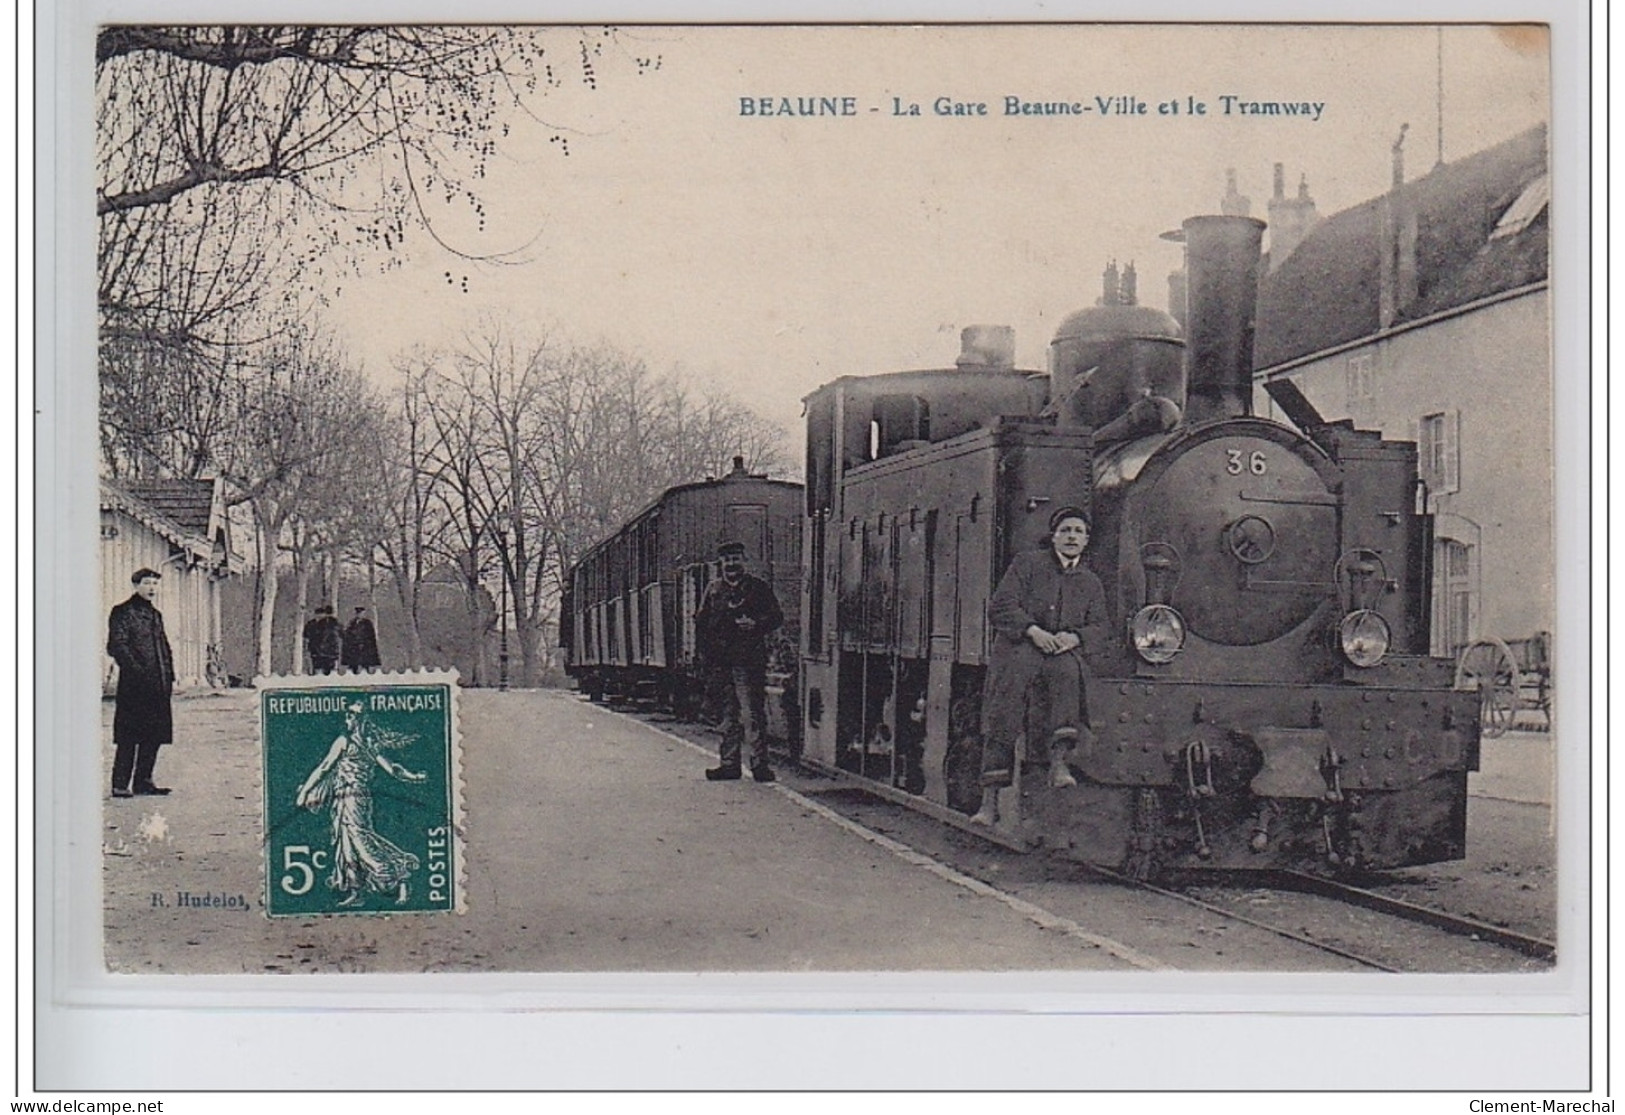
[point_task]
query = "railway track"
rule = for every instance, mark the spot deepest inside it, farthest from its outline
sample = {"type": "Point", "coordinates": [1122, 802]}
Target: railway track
{"type": "Point", "coordinates": [842, 785]}
{"type": "Point", "coordinates": [1284, 881]}
{"type": "Point", "coordinates": [1536, 947]}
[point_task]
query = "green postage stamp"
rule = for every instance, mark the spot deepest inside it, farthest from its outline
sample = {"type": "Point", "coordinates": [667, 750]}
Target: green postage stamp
{"type": "Point", "coordinates": [362, 794]}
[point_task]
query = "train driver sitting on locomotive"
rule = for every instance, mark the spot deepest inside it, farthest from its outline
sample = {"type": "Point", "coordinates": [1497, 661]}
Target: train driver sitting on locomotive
{"type": "Point", "coordinates": [1048, 615]}
{"type": "Point", "coordinates": [736, 615]}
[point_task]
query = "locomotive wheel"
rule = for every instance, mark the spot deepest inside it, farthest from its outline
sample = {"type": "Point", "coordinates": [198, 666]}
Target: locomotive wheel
{"type": "Point", "coordinates": [1489, 667]}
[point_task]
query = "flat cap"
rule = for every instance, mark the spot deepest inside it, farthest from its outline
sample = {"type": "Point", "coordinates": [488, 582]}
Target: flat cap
{"type": "Point", "coordinates": [1069, 512]}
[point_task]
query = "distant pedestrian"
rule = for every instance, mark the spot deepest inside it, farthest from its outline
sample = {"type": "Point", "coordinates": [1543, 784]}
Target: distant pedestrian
{"type": "Point", "coordinates": [322, 640]}
{"type": "Point", "coordinates": [361, 643]}
{"type": "Point", "coordinates": [142, 718]}
{"type": "Point", "coordinates": [736, 614]}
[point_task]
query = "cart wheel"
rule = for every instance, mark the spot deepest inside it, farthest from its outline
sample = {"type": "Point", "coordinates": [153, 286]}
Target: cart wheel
{"type": "Point", "coordinates": [1489, 667]}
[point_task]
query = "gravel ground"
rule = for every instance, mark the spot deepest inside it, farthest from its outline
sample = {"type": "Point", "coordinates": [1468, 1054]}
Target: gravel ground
{"type": "Point", "coordinates": [548, 891]}
{"type": "Point", "coordinates": [593, 845]}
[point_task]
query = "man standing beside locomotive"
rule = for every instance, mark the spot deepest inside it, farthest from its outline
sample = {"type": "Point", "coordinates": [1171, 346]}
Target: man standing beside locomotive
{"type": "Point", "coordinates": [142, 718]}
{"type": "Point", "coordinates": [736, 614]}
{"type": "Point", "coordinates": [1048, 615]}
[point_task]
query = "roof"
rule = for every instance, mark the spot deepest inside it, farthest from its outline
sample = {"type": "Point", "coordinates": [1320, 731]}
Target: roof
{"type": "Point", "coordinates": [965, 372]}
{"type": "Point", "coordinates": [188, 513]}
{"type": "Point", "coordinates": [739, 475]}
{"type": "Point", "coordinates": [187, 503]}
{"type": "Point", "coordinates": [1325, 294]}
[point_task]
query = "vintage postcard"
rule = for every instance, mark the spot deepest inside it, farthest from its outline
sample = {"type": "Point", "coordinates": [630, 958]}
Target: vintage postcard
{"type": "Point", "coordinates": [996, 499]}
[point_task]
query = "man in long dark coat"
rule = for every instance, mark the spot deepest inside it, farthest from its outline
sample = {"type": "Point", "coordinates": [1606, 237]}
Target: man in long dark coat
{"type": "Point", "coordinates": [142, 721]}
{"type": "Point", "coordinates": [1048, 615]}
{"type": "Point", "coordinates": [361, 643]}
{"type": "Point", "coordinates": [322, 640]}
{"type": "Point", "coordinates": [736, 615]}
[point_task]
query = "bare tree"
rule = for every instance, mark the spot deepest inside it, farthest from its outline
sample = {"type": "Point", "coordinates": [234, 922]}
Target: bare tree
{"type": "Point", "coordinates": [295, 421]}
{"type": "Point", "coordinates": [462, 492]}
{"type": "Point", "coordinates": [240, 170]}
{"type": "Point", "coordinates": [612, 436]}
{"type": "Point", "coordinates": [411, 522]}
{"type": "Point", "coordinates": [514, 453]}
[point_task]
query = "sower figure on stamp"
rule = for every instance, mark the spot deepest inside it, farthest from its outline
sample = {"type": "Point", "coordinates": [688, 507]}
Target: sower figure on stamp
{"type": "Point", "coordinates": [363, 860]}
{"type": "Point", "coordinates": [361, 643]}
{"type": "Point", "coordinates": [1048, 615]}
{"type": "Point", "coordinates": [736, 614]}
{"type": "Point", "coordinates": [322, 639]}
{"type": "Point", "coordinates": [142, 718]}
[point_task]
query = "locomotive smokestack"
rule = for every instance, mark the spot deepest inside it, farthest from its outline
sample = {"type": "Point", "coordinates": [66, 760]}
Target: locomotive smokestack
{"type": "Point", "coordinates": [1221, 264]}
{"type": "Point", "coordinates": [987, 346]}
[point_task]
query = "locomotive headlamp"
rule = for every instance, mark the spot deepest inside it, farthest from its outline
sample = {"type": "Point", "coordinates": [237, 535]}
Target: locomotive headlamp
{"type": "Point", "coordinates": [1157, 632]}
{"type": "Point", "coordinates": [1364, 636]}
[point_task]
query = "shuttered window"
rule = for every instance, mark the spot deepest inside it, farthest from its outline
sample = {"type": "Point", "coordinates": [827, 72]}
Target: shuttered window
{"type": "Point", "coordinates": [1439, 451]}
{"type": "Point", "coordinates": [1362, 380]}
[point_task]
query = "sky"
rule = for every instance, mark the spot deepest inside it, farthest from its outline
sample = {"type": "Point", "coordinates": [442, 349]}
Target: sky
{"type": "Point", "coordinates": [767, 255]}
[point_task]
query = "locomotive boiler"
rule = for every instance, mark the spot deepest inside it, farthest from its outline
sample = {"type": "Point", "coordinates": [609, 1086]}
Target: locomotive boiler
{"type": "Point", "coordinates": [1268, 700]}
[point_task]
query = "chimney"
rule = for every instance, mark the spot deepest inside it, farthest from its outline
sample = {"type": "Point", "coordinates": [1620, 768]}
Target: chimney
{"type": "Point", "coordinates": [1396, 261]}
{"type": "Point", "coordinates": [1233, 203]}
{"type": "Point", "coordinates": [1109, 290]}
{"type": "Point", "coordinates": [987, 346]}
{"type": "Point", "coordinates": [1291, 219]}
{"type": "Point", "coordinates": [1221, 262]}
{"type": "Point", "coordinates": [1128, 290]}
{"type": "Point", "coordinates": [1177, 297]}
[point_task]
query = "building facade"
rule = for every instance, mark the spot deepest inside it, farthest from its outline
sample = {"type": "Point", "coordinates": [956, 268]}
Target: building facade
{"type": "Point", "coordinates": [1425, 313]}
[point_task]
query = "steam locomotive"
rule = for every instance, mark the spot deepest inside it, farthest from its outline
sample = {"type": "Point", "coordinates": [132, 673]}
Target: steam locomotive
{"type": "Point", "coordinates": [1269, 701]}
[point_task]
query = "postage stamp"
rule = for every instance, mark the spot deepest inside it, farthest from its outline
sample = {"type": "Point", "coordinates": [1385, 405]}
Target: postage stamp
{"type": "Point", "coordinates": [362, 794]}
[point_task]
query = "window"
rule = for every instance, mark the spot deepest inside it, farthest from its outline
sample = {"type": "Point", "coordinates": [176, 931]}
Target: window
{"type": "Point", "coordinates": [747, 523]}
{"type": "Point", "coordinates": [1439, 451]}
{"type": "Point", "coordinates": [898, 419]}
{"type": "Point", "coordinates": [1452, 596]}
{"type": "Point", "coordinates": [1362, 380]}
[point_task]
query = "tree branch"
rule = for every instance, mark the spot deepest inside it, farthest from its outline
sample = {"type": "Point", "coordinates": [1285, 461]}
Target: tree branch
{"type": "Point", "coordinates": [257, 45]}
{"type": "Point", "coordinates": [198, 174]}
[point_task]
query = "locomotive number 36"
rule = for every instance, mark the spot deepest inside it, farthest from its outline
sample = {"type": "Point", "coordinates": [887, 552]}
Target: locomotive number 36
{"type": "Point", "coordinates": [1255, 462]}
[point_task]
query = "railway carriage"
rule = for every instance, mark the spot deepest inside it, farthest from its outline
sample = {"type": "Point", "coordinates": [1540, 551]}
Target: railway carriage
{"type": "Point", "coordinates": [627, 614]}
{"type": "Point", "coordinates": [1269, 701]}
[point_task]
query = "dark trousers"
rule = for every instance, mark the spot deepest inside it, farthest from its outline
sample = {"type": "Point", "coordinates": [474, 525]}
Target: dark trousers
{"type": "Point", "coordinates": [1026, 687]}
{"type": "Point", "coordinates": [744, 714]}
{"type": "Point", "coordinates": [140, 758]}
{"type": "Point", "coordinates": [323, 665]}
